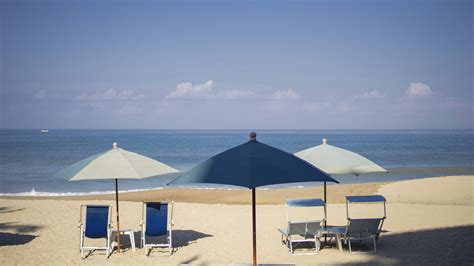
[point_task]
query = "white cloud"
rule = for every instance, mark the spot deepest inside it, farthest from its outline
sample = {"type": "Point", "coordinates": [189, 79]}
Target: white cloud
{"type": "Point", "coordinates": [373, 94]}
{"type": "Point", "coordinates": [110, 95]}
{"type": "Point", "coordinates": [418, 89]}
{"type": "Point", "coordinates": [285, 95]}
{"type": "Point", "coordinates": [235, 94]}
{"type": "Point", "coordinates": [188, 90]}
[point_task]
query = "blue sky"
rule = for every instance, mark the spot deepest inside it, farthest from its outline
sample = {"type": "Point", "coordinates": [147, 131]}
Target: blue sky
{"type": "Point", "coordinates": [237, 64]}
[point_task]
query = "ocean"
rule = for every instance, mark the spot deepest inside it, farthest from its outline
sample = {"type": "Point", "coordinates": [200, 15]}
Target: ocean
{"type": "Point", "coordinates": [29, 158]}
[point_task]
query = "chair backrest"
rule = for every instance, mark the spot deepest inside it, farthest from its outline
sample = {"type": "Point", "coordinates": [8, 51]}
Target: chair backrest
{"type": "Point", "coordinates": [313, 204]}
{"type": "Point", "coordinates": [306, 228]}
{"type": "Point", "coordinates": [156, 218]}
{"type": "Point", "coordinates": [367, 227]}
{"type": "Point", "coordinates": [97, 220]}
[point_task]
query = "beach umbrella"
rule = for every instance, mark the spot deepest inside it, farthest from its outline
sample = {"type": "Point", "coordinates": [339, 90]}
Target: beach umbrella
{"type": "Point", "coordinates": [334, 160]}
{"type": "Point", "coordinates": [115, 163]}
{"type": "Point", "coordinates": [253, 164]}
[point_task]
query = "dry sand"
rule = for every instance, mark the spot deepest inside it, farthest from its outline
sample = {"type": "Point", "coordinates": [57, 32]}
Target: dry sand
{"type": "Point", "coordinates": [430, 221]}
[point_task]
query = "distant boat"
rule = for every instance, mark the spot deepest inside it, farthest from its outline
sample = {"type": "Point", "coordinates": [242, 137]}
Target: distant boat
{"type": "Point", "coordinates": [44, 131]}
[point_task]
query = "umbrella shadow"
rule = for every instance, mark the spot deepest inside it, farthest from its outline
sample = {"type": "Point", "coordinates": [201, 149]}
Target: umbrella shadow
{"type": "Point", "coordinates": [20, 228]}
{"type": "Point", "coordinates": [20, 236]}
{"type": "Point", "coordinates": [441, 246]}
{"type": "Point", "coordinates": [10, 239]}
{"type": "Point", "coordinates": [8, 210]}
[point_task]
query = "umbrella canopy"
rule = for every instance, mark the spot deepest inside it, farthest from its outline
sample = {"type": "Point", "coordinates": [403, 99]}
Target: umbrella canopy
{"type": "Point", "coordinates": [251, 165]}
{"type": "Point", "coordinates": [334, 160]}
{"type": "Point", "coordinates": [115, 163]}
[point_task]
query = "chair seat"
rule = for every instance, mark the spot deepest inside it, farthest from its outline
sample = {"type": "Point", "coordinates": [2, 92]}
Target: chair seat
{"type": "Point", "coordinates": [335, 229]}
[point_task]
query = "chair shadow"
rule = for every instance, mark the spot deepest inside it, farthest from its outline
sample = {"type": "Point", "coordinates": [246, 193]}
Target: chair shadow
{"type": "Point", "coordinates": [181, 238]}
{"type": "Point", "coordinates": [441, 246]}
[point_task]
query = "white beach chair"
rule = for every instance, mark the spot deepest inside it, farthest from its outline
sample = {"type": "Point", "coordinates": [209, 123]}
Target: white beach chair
{"type": "Point", "coordinates": [155, 224]}
{"type": "Point", "coordinates": [98, 224]}
{"type": "Point", "coordinates": [299, 232]}
{"type": "Point", "coordinates": [303, 231]}
{"type": "Point", "coordinates": [361, 229]}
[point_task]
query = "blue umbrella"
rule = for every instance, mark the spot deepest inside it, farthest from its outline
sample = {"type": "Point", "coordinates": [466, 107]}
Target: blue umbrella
{"type": "Point", "coordinates": [253, 164]}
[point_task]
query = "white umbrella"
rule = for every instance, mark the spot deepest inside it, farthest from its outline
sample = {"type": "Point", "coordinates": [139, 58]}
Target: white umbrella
{"type": "Point", "coordinates": [334, 160]}
{"type": "Point", "coordinates": [115, 163]}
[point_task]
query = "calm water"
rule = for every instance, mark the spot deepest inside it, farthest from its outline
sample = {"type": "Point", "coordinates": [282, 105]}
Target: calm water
{"type": "Point", "coordinates": [28, 158]}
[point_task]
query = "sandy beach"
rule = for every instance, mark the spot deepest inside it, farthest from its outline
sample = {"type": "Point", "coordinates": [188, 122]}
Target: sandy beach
{"type": "Point", "coordinates": [430, 221]}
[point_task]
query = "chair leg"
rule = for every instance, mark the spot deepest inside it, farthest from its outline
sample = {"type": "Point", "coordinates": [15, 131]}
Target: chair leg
{"type": "Point", "coordinates": [350, 248]}
{"type": "Point", "coordinates": [317, 245]}
{"type": "Point", "coordinates": [375, 245]}
{"type": "Point", "coordinates": [132, 240]}
{"type": "Point", "coordinates": [338, 241]}
{"type": "Point", "coordinates": [170, 246]}
{"type": "Point", "coordinates": [82, 245]}
{"type": "Point", "coordinates": [291, 246]}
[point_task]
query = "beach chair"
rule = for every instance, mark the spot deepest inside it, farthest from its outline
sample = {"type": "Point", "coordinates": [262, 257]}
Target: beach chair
{"type": "Point", "coordinates": [302, 231]}
{"type": "Point", "coordinates": [155, 225]}
{"type": "Point", "coordinates": [97, 225]}
{"type": "Point", "coordinates": [360, 229]}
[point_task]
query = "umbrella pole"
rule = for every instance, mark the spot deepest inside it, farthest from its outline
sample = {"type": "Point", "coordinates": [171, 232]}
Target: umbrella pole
{"type": "Point", "coordinates": [325, 214]}
{"type": "Point", "coordinates": [118, 222]}
{"type": "Point", "coordinates": [254, 229]}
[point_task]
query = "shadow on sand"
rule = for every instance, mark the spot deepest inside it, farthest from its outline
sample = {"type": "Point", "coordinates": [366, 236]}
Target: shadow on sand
{"type": "Point", "coordinates": [442, 246]}
{"type": "Point", "coordinates": [20, 236]}
{"type": "Point", "coordinates": [181, 238]}
{"type": "Point", "coordinates": [8, 210]}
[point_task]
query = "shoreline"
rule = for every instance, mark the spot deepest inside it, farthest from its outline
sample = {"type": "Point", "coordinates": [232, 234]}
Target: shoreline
{"type": "Point", "coordinates": [274, 196]}
{"type": "Point", "coordinates": [265, 196]}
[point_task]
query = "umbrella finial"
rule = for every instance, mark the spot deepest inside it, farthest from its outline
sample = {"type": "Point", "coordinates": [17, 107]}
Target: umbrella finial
{"type": "Point", "coordinates": [253, 136]}
{"type": "Point", "coordinates": [115, 145]}
{"type": "Point", "coordinates": [325, 141]}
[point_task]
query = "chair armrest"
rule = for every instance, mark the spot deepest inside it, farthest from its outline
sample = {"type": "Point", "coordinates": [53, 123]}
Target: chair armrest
{"type": "Point", "coordinates": [283, 231]}
{"type": "Point", "coordinates": [79, 224]}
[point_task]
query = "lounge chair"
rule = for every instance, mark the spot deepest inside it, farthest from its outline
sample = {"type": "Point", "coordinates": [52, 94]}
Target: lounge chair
{"type": "Point", "coordinates": [98, 225]}
{"type": "Point", "coordinates": [302, 231]}
{"type": "Point", "coordinates": [361, 229]}
{"type": "Point", "coordinates": [299, 232]}
{"type": "Point", "coordinates": [155, 224]}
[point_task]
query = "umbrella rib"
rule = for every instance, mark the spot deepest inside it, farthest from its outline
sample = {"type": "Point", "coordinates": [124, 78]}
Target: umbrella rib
{"type": "Point", "coordinates": [131, 165]}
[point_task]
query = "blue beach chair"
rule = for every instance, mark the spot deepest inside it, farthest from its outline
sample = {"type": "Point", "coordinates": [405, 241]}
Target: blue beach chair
{"type": "Point", "coordinates": [97, 225]}
{"type": "Point", "coordinates": [155, 225]}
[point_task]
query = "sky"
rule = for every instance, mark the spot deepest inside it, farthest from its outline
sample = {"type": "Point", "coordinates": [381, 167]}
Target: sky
{"type": "Point", "coordinates": [236, 64]}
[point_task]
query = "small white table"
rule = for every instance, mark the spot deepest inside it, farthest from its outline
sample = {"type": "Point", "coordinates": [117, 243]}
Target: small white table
{"type": "Point", "coordinates": [128, 232]}
{"type": "Point", "coordinates": [333, 231]}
